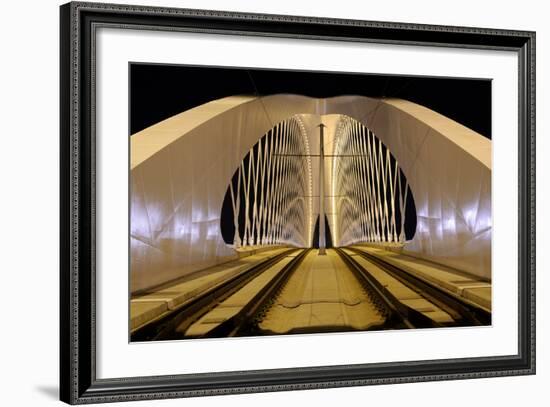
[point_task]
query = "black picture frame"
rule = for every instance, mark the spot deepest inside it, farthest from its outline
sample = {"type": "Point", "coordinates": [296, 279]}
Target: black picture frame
{"type": "Point", "coordinates": [78, 382]}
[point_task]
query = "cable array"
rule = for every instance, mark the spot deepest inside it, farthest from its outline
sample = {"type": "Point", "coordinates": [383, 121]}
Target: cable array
{"type": "Point", "coordinates": [271, 191]}
{"type": "Point", "coordinates": [369, 190]}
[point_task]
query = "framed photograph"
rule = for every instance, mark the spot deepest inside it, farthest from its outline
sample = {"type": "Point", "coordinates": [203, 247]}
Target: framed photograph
{"type": "Point", "coordinates": [255, 203]}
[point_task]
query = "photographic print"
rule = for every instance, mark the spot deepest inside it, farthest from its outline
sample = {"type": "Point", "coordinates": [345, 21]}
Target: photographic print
{"type": "Point", "coordinates": [263, 188]}
{"type": "Point", "coordinates": [273, 202]}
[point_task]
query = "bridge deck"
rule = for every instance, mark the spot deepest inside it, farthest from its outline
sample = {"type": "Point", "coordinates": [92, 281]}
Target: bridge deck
{"type": "Point", "coordinates": [466, 286]}
{"type": "Point", "coordinates": [283, 291]}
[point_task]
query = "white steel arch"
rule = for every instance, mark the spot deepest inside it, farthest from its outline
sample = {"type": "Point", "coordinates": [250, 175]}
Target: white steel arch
{"type": "Point", "coordinates": [181, 168]}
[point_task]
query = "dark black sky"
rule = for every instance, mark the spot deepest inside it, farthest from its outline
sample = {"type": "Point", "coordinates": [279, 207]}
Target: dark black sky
{"type": "Point", "coordinates": [160, 91]}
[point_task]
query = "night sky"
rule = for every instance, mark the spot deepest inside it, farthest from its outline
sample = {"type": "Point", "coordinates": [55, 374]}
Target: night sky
{"type": "Point", "coordinates": [158, 92]}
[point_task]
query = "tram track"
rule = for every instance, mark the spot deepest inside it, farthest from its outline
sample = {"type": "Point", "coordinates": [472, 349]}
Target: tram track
{"type": "Point", "coordinates": [298, 291]}
{"type": "Point", "coordinates": [463, 313]}
{"type": "Point", "coordinates": [166, 326]}
{"type": "Point", "coordinates": [237, 314]}
{"type": "Point", "coordinates": [397, 315]}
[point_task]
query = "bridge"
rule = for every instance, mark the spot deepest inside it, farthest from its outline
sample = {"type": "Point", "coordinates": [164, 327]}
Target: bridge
{"type": "Point", "coordinates": [289, 214]}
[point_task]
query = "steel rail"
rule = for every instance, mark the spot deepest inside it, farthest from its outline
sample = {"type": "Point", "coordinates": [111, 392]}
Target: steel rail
{"type": "Point", "coordinates": [466, 313]}
{"type": "Point", "coordinates": [163, 328]}
{"type": "Point", "coordinates": [398, 314]}
{"type": "Point", "coordinates": [242, 324]}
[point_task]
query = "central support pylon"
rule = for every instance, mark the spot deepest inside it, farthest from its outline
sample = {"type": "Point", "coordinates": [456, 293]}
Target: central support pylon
{"type": "Point", "coordinates": [322, 242]}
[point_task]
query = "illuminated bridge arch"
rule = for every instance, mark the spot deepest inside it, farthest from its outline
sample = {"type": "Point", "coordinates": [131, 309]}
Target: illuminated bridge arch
{"type": "Point", "coordinates": [370, 195]}
{"type": "Point", "coordinates": [269, 198]}
{"type": "Point", "coordinates": [182, 166]}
